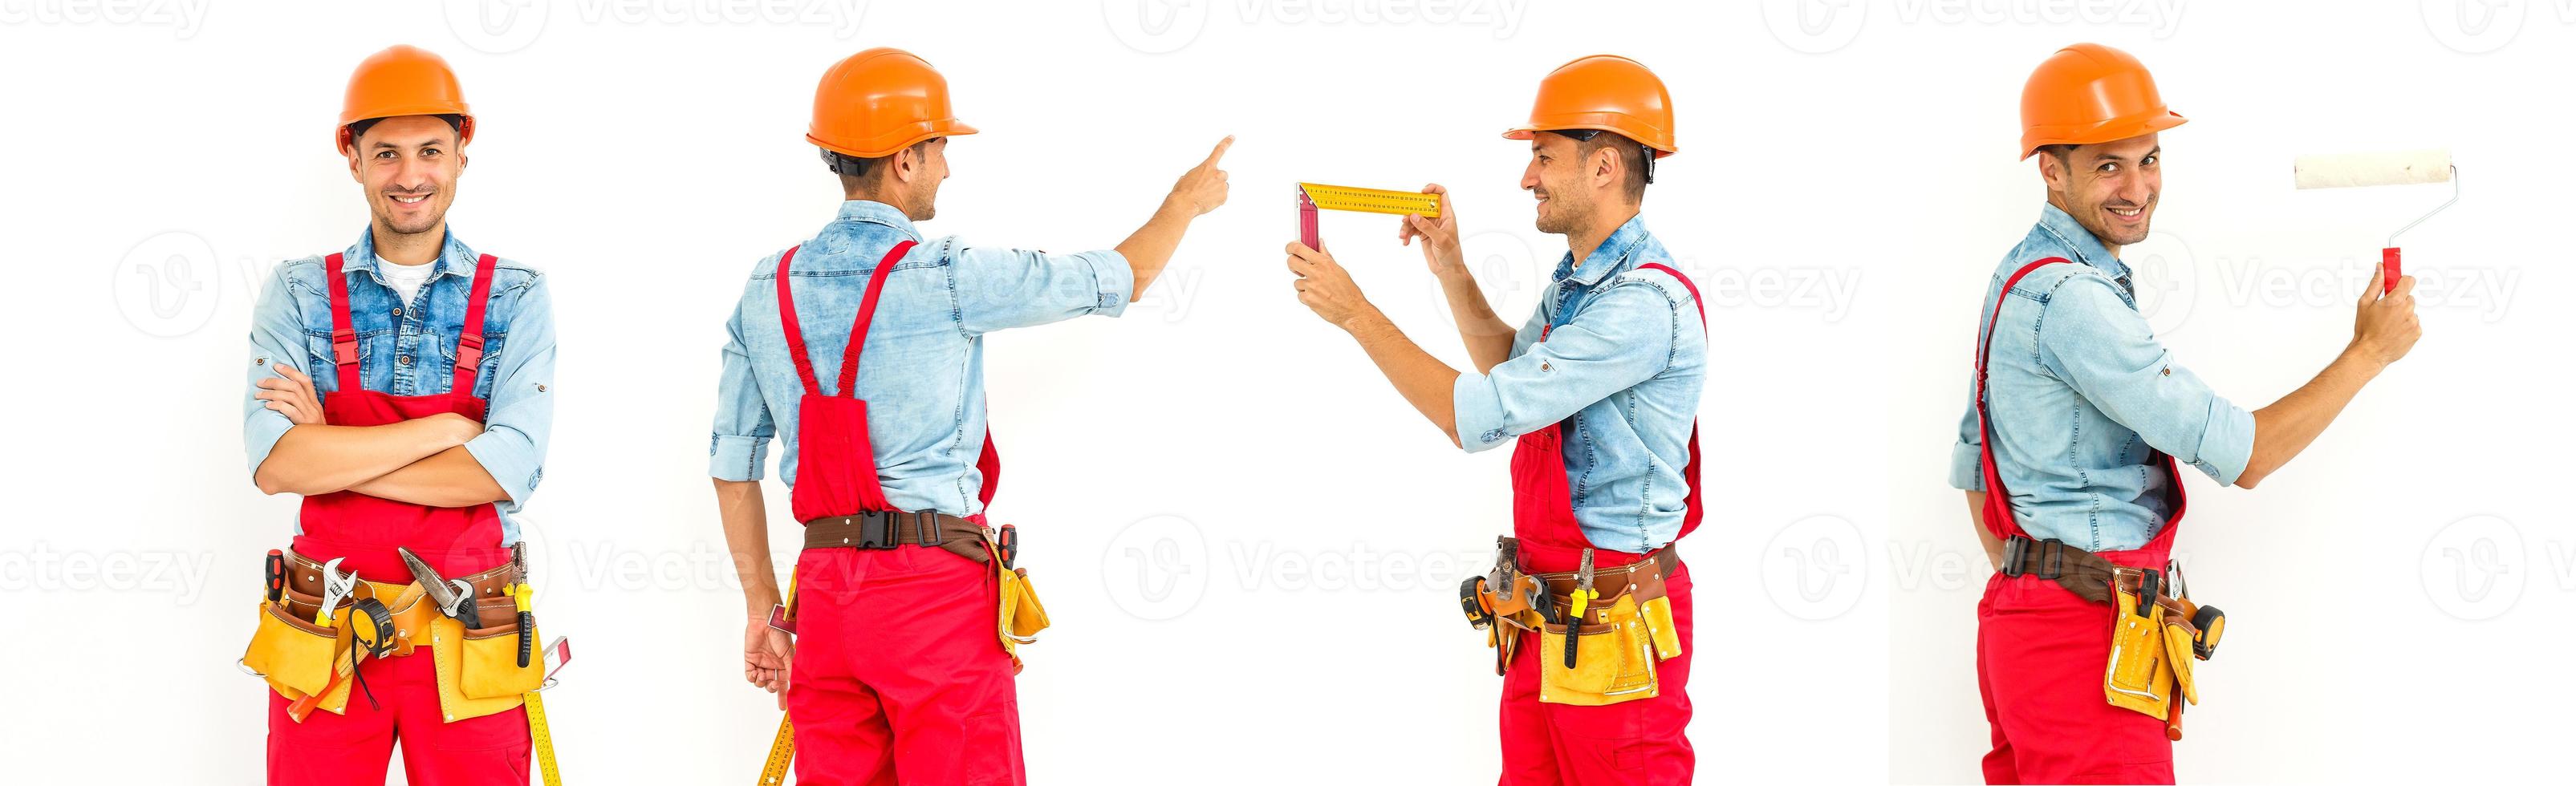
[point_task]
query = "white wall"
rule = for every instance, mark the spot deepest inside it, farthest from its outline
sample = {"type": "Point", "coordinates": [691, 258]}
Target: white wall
{"type": "Point", "coordinates": [1249, 544]}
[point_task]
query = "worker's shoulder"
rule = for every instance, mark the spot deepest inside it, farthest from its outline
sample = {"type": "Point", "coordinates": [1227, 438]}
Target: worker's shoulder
{"type": "Point", "coordinates": [832, 255]}
{"type": "Point", "coordinates": [2045, 281]}
{"type": "Point", "coordinates": [1657, 274]}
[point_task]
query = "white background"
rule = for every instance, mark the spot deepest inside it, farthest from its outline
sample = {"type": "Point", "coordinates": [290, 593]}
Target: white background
{"type": "Point", "coordinates": [1249, 544]}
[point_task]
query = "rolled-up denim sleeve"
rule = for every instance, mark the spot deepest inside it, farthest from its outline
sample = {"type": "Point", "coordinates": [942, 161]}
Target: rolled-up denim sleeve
{"type": "Point", "coordinates": [999, 289]}
{"type": "Point", "coordinates": [2093, 340]}
{"type": "Point", "coordinates": [276, 337]}
{"type": "Point", "coordinates": [739, 450]}
{"type": "Point", "coordinates": [1967, 463]}
{"type": "Point", "coordinates": [512, 447]}
{"type": "Point", "coordinates": [1624, 336]}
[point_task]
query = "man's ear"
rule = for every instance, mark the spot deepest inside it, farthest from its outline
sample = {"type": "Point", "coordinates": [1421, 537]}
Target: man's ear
{"type": "Point", "coordinates": [2051, 170]}
{"type": "Point", "coordinates": [1605, 168]}
{"type": "Point", "coordinates": [905, 164]}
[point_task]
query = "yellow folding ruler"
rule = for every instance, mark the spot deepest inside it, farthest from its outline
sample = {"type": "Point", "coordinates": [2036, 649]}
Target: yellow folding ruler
{"type": "Point", "coordinates": [542, 739]}
{"type": "Point", "coordinates": [781, 752]}
{"type": "Point", "coordinates": [1317, 196]}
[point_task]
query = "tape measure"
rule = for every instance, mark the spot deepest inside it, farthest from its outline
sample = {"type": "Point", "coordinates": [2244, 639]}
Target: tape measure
{"type": "Point", "coordinates": [781, 752]}
{"type": "Point", "coordinates": [540, 739]}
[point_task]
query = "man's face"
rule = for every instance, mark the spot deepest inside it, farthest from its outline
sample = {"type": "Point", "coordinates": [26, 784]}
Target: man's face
{"type": "Point", "coordinates": [1560, 177]}
{"type": "Point", "coordinates": [408, 166]}
{"type": "Point", "coordinates": [929, 167]}
{"type": "Point", "coordinates": [2110, 188]}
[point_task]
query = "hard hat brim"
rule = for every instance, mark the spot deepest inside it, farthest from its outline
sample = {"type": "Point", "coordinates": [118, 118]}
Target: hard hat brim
{"type": "Point", "coordinates": [894, 141]}
{"type": "Point", "coordinates": [2111, 130]}
{"type": "Point", "coordinates": [1658, 140]}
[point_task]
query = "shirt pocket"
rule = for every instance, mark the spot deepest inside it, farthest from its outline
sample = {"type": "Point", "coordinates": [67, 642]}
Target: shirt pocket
{"type": "Point", "coordinates": [483, 373]}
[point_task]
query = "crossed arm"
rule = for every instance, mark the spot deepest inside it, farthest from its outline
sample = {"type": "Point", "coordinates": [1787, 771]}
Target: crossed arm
{"type": "Point", "coordinates": [420, 461]}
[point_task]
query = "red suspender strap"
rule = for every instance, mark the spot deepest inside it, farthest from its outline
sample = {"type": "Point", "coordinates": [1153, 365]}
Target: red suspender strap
{"type": "Point", "coordinates": [868, 314]}
{"type": "Point", "coordinates": [787, 324]}
{"type": "Point", "coordinates": [1690, 472]}
{"type": "Point", "coordinates": [469, 337]}
{"type": "Point", "coordinates": [1998, 502]}
{"type": "Point", "coordinates": [858, 330]}
{"type": "Point", "coordinates": [344, 341]}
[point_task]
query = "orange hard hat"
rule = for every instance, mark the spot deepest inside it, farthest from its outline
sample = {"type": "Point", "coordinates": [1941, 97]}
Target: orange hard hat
{"type": "Point", "coordinates": [2088, 94]}
{"type": "Point", "coordinates": [880, 101]}
{"type": "Point", "coordinates": [403, 80]}
{"type": "Point", "coordinates": [1603, 93]}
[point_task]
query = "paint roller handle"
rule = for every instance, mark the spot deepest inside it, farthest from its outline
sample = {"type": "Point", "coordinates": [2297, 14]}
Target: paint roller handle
{"type": "Point", "coordinates": [2384, 324]}
{"type": "Point", "coordinates": [2389, 271]}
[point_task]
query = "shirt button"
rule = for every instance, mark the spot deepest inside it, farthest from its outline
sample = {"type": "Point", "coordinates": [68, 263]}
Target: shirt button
{"type": "Point", "coordinates": [404, 360]}
{"type": "Point", "coordinates": [397, 311]}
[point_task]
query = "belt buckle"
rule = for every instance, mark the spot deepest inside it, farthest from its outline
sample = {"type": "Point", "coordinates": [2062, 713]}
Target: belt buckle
{"type": "Point", "coordinates": [2013, 550]}
{"type": "Point", "coordinates": [876, 530]}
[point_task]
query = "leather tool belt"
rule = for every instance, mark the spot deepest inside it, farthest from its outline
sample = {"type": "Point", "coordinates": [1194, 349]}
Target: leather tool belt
{"type": "Point", "coordinates": [2156, 630]}
{"type": "Point", "coordinates": [886, 529]}
{"type": "Point", "coordinates": [314, 663]}
{"type": "Point", "coordinates": [1600, 630]}
{"type": "Point", "coordinates": [1020, 615]}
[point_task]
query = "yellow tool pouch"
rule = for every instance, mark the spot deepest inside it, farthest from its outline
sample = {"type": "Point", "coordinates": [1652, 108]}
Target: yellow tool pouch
{"type": "Point", "coordinates": [488, 659]}
{"type": "Point", "coordinates": [1614, 661]}
{"type": "Point", "coordinates": [1020, 614]}
{"type": "Point", "coordinates": [2140, 675]}
{"type": "Point", "coordinates": [294, 655]}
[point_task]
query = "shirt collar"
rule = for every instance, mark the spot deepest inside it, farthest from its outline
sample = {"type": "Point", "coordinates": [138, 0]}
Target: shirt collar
{"type": "Point", "coordinates": [1612, 256]}
{"type": "Point", "coordinates": [453, 257]}
{"type": "Point", "coordinates": [2087, 248]}
{"type": "Point", "coordinates": [878, 213]}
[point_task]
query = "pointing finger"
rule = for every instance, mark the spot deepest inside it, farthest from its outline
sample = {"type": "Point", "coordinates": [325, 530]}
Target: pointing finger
{"type": "Point", "coordinates": [1219, 152]}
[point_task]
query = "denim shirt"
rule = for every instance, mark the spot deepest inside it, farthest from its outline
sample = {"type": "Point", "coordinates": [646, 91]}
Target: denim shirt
{"type": "Point", "coordinates": [922, 374]}
{"type": "Point", "coordinates": [2082, 395]}
{"type": "Point", "coordinates": [1626, 362]}
{"type": "Point", "coordinates": [409, 349]}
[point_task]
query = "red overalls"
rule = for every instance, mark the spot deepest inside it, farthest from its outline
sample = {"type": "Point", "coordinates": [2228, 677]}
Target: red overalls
{"type": "Point", "coordinates": [1639, 741]}
{"type": "Point", "coordinates": [898, 673]}
{"type": "Point", "coordinates": [329, 749]}
{"type": "Point", "coordinates": [2041, 650]}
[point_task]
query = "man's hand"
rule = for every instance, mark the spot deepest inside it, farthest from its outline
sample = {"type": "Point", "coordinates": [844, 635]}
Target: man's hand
{"type": "Point", "coordinates": [2384, 327]}
{"type": "Point", "coordinates": [290, 393]}
{"type": "Point", "coordinates": [1203, 188]}
{"type": "Point", "coordinates": [766, 655]}
{"type": "Point", "coordinates": [1439, 236]}
{"type": "Point", "coordinates": [1326, 288]}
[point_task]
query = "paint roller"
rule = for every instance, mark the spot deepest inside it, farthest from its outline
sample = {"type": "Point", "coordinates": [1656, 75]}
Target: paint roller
{"type": "Point", "coordinates": [2353, 170]}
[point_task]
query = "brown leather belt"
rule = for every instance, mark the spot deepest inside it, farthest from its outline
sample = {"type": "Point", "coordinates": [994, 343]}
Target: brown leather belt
{"type": "Point", "coordinates": [1644, 577]}
{"type": "Point", "coordinates": [887, 529]}
{"type": "Point", "coordinates": [2081, 572]}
